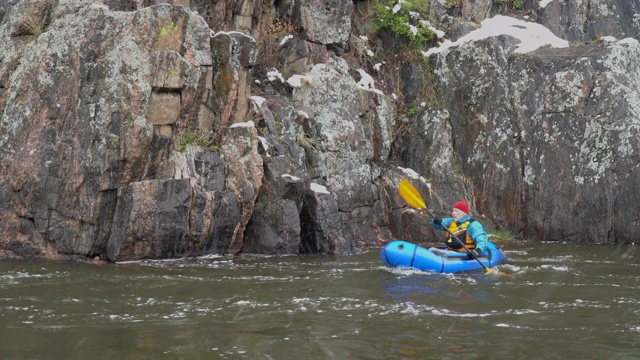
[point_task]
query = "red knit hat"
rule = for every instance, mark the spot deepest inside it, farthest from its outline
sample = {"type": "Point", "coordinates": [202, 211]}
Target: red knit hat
{"type": "Point", "coordinates": [462, 206]}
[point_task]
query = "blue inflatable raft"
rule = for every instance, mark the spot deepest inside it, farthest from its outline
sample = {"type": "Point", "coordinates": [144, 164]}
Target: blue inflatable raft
{"type": "Point", "coordinates": [400, 253]}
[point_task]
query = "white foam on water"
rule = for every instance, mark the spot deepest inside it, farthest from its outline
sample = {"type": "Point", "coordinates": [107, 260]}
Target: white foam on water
{"type": "Point", "coordinates": [511, 326]}
{"type": "Point", "coordinates": [210, 257]}
{"type": "Point", "coordinates": [406, 271]}
{"type": "Point", "coordinates": [123, 317]}
{"type": "Point", "coordinates": [13, 278]}
{"type": "Point", "coordinates": [516, 252]}
{"type": "Point", "coordinates": [563, 258]}
{"type": "Point", "coordinates": [554, 267]}
{"type": "Point", "coordinates": [512, 268]}
{"type": "Point", "coordinates": [250, 304]}
{"type": "Point", "coordinates": [157, 261]}
{"type": "Point", "coordinates": [18, 308]}
{"type": "Point", "coordinates": [626, 301]}
{"type": "Point", "coordinates": [578, 303]}
{"type": "Point", "coordinates": [521, 311]}
{"type": "Point", "coordinates": [22, 275]}
{"type": "Point", "coordinates": [304, 301]}
{"type": "Point", "coordinates": [405, 308]}
{"type": "Point", "coordinates": [242, 303]}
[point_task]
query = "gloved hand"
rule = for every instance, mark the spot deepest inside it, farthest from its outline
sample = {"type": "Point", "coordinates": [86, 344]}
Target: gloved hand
{"type": "Point", "coordinates": [474, 254]}
{"type": "Point", "coordinates": [437, 220]}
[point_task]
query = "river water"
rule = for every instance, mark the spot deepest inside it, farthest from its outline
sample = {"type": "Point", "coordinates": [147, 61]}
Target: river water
{"type": "Point", "coordinates": [548, 301]}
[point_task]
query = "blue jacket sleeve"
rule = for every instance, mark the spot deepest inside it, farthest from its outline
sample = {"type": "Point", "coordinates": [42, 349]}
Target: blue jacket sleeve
{"type": "Point", "coordinates": [446, 222]}
{"type": "Point", "coordinates": [477, 233]}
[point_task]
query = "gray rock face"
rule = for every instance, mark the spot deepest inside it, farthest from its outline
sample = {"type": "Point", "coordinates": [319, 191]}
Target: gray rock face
{"type": "Point", "coordinates": [584, 21]}
{"type": "Point", "coordinates": [560, 147]}
{"type": "Point", "coordinates": [93, 167]}
{"type": "Point", "coordinates": [350, 131]}
{"type": "Point", "coordinates": [133, 131]}
{"type": "Point", "coordinates": [86, 107]}
{"type": "Point", "coordinates": [326, 22]}
{"type": "Point", "coordinates": [275, 227]}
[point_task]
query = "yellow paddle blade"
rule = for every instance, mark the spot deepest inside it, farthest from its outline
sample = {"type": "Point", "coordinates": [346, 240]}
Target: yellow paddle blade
{"type": "Point", "coordinates": [411, 195]}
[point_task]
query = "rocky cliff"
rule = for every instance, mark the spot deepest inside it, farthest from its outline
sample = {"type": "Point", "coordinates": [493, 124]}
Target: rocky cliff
{"type": "Point", "coordinates": [138, 129]}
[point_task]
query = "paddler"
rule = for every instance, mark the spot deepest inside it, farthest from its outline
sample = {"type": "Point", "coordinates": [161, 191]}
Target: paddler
{"type": "Point", "coordinates": [464, 228]}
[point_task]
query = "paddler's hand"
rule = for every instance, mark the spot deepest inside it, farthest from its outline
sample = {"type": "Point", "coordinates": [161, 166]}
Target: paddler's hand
{"type": "Point", "coordinates": [474, 254]}
{"type": "Point", "coordinates": [437, 220]}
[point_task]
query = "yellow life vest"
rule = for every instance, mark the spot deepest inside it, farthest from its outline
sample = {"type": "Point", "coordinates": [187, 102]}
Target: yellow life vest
{"type": "Point", "coordinates": [461, 233]}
